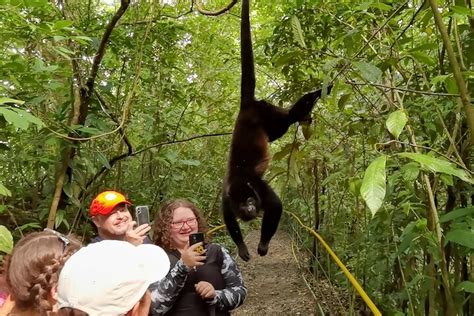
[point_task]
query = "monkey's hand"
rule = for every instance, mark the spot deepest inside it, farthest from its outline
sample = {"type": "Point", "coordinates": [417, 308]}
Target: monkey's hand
{"type": "Point", "coordinates": [262, 248]}
{"type": "Point", "coordinates": [244, 252]}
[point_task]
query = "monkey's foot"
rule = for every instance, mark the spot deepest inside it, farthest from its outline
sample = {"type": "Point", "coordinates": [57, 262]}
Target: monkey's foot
{"type": "Point", "coordinates": [244, 252]}
{"type": "Point", "coordinates": [262, 248]}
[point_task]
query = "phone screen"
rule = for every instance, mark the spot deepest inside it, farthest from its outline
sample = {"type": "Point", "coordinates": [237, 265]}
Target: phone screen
{"type": "Point", "coordinates": [194, 239]}
{"type": "Point", "coordinates": [142, 214]}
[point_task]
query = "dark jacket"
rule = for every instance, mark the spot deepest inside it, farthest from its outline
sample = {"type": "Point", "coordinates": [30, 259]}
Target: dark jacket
{"type": "Point", "coordinates": [176, 295]}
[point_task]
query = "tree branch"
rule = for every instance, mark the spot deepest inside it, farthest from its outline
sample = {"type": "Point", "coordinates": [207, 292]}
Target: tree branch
{"type": "Point", "coordinates": [402, 89]}
{"type": "Point", "coordinates": [215, 13]}
{"type": "Point", "coordinates": [103, 43]}
{"type": "Point", "coordinates": [458, 76]}
{"type": "Point", "coordinates": [114, 118]}
{"type": "Point", "coordinates": [131, 154]}
{"type": "Point", "coordinates": [180, 141]}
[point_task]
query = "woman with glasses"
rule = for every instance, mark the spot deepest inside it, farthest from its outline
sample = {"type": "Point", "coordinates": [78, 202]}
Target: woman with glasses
{"type": "Point", "coordinates": [33, 268]}
{"type": "Point", "coordinates": [197, 284]}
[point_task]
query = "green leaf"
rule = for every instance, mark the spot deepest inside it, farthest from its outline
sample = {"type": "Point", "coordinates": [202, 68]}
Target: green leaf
{"type": "Point", "coordinates": [457, 213]}
{"type": "Point", "coordinates": [297, 31]}
{"type": "Point", "coordinates": [410, 171]}
{"type": "Point", "coordinates": [89, 130]}
{"type": "Point", "coordinates": [466, 286]}
{"type": "Point", "coordinates": [368, 71]}
{"type": "Point", "coordinates": [12, 117]}
{"type": "Point", "coordinates": [446, 179]}
{"type": "Point", "coordinates": [104, 161]}
{"type": "Point", "coordinates": [4, 100]}
{"type": "Point", "coordinates": [191, 162]}
{"type": "Point", "coordinates": [451, 85]}
{"type": "Point", "coordinates": [343, 100]}
{"type": "Point", "coordinates": [373, 185]}
{"type": "Point", "coordinates": [435, 165]}
{"type": "Point", "coordinates": [20, 118]}
{"type": "Point", "coordinates": [423, 58]}
{"type": "Point", "coordinates": [461, 237]}
{"type": "Point", "coordinates": [4, 191]}
{"type": "Point", "coordinates": [61, 24]}
{"type": "Point", "coordinates": [396, 122]}
{"type": "Point", "coordinates": [6, 240]}
{"type": "Point", "coordinates": [461, 10]}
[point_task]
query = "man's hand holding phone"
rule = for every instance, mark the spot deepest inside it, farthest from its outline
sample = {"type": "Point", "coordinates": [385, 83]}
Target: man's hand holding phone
{"type": "Point", "coordinates": [136, 235]}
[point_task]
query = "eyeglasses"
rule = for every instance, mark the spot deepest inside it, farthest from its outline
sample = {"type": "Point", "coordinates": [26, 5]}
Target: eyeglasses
{"type": "Point", "coordinates": [179, 225]}
{"type": "Point", "coordinates": [60, 236]}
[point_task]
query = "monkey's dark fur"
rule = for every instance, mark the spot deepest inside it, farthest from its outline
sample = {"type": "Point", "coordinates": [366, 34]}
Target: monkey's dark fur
{"type": "Point", "coordinates": [258, 123]}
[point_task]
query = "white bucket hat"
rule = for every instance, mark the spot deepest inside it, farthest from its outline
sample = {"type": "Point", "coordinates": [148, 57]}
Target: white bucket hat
{"type": "Point", "coordinates": [110, 277]}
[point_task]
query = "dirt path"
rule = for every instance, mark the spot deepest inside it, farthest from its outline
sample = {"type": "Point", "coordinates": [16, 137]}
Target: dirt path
{"type": "Point", "coordinates": [274, 284]}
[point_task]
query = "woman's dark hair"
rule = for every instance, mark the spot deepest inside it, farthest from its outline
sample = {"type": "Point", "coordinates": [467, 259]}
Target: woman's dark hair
{"type": "Point", "coordinates": [162, 222]}
{"type": "Point", "coordinates": [33, 268]}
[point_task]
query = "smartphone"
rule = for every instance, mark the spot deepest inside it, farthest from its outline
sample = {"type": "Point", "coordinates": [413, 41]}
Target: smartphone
{"type": "Point", "coordinates": [142, 214]}
{"type": "Point", "coordinates": [194, 239]}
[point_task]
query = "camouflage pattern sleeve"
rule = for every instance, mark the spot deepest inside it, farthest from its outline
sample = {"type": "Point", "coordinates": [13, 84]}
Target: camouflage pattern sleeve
{"type": "Point", "coordinates": [165, 292]}
{"type": "Point", "coordinates": [234, 293]}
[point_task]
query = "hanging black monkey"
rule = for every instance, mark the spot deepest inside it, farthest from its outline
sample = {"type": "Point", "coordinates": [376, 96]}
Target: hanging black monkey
{"type": "Point", "coordinates": [258, 123]}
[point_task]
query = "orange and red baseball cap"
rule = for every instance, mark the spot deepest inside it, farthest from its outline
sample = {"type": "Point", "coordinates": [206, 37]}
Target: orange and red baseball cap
{"type": "Point", "coordinates": [105, 202]}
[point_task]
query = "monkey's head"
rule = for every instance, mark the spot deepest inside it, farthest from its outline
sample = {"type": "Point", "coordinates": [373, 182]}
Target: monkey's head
{"type": "Point", "coordinates": [246, 199]}
{"type": "Point", "coordinates": [249, 209]}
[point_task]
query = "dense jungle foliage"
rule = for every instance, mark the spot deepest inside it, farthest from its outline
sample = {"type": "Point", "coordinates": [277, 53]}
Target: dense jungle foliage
{"type": "Point", "coordinates": [141, 96]}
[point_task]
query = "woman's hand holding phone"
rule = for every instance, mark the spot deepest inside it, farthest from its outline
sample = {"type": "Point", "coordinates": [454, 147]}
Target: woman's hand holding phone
{"type": "Point", "coordinates": [191, 258]}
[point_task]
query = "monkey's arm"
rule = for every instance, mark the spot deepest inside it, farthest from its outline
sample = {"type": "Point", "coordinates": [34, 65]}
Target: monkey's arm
{"type": "Point", "coordinates": [303, 107]}
{"type": "Point", "coordinates": [233, 228]}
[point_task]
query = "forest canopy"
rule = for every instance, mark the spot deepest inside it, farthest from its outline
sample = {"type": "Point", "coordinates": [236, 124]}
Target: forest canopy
{"type": "Point", "coordinates": [141, 96]}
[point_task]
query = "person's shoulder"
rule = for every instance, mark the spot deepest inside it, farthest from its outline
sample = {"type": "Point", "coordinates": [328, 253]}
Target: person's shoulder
{"type": "Point", "coordinates": [96, 239]}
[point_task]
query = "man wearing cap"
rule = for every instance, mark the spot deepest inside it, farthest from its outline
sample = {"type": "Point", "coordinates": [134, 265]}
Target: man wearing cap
{"type": "Point", "coordinates": [110, 214]}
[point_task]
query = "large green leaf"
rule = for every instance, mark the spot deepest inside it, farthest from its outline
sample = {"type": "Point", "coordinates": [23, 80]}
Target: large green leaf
{"type": "Point", "coordinates": [4, 100]}
{"type": "Point", "coordinates": [466, 286]}
{"type": "Point", "coordinates": [373, 185]}
{"type": "Point", "coordinates": [457, 213]}
{"type": "Point", "coordinates": [396, 122]}
{"type": "Point", "coordinates": [6, 240]}
{"type": "Point", "coordinates": [438, 165]}
{"type": "Point", "coordinates": [297, 31]}
{"type": "Point", "coordinates": [19, 118]}
{"type": "Point", "coordinates": [4, 191]}
{"type": "Point", "coordinates": [368, 71]}
{"type": "Point", "coordinates": [463, 237]}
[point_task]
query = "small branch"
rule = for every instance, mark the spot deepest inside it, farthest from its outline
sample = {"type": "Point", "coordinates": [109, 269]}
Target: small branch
{"type": "Point", "coordinates": [131, 154]}
{"type": "Point", "coordinates": [409, 24]}
{"type": "Point", "coordinates": [216, 13]}
{"type": "Point", "coordinates": [106, 108]}
{"type": "Point", "coordinates": [180, 141]}
{"type": "Point", "coordinates": [402, 89]}
{"type": "Point", "coordinates": [158, 18]}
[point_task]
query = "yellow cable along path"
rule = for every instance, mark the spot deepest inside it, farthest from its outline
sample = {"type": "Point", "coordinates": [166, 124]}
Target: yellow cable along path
{"type": "Point", "coordinates": [349, 276]}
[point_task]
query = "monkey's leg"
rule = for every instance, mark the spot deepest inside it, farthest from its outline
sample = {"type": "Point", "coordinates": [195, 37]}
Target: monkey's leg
{"type": "Point", "coordinates": [273, 209]}
{"type": "Point", "coordinates": [233, 228]}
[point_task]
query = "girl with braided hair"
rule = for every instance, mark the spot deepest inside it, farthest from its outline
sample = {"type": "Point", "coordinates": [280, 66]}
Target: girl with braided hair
{"type": "Point", "coordinates": [33, 268]}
